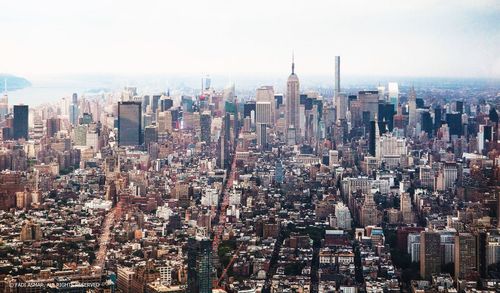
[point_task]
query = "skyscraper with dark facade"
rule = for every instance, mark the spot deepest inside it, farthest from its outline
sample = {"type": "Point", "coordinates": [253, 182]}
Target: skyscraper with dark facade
{"type": "Point", "coordinates": [427, 126]}
{"type": "Point", "coordinates": [53, 126]}
{"type": "Point", "coordinates": [73, 114]}
{"type": "Point", "coordinates": [372, 137]}
{"type": "Point", "coordinates": [20, 127]}
{"type": "Point", "coordinates": [280, 173]}
{"type": "Point", "coordinates": [438, 117]}
{"type": "Point", "coordinates": [73, 110]}
{"type": "Point", "coordinates": [248, 107]}
{"type": "Point", "coordinates": [278, 100]}
{"type": "Point", "coordinates": [129, 123]}
{"type": "Point", "coordinates": [155, 101]}
{"type": "Point", "coordinates": [454, 121]}
{"type": "Point", "coordinates": [206, 126]}
{"type": "Point", "coordinates": [459, 106]}
{"type": "Point", "coordinates": [430, 254]}
{"type": "Point", "coordinates": [150, 135]}
{"type": "Point", "coordinates": [199, 274]}
{"type": "Point", "coordinates": [145, 102]}
{"type": "Point", "coordinates": [465, 256]}
{"type": "Point", "coordinates": [386, 113]}
{"type": "Point", "coordinates": [166, 104]}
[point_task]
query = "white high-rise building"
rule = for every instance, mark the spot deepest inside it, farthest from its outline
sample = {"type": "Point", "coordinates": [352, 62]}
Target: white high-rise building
{"type": "Point", "coordinates": [229, 93]}
{"type": "Point", "coordinates": [166, 275]}
{"type": "Point", "coordinates": [389, 149]}
{"type": "Point", "coordinates": [210, 197]}
{"type": "Point", "coordinates": [381, 92]}
{"type": "Point", "coordinates": [394, 94]}
{"type": "Point", "coordinates": [333, 156]}
{"type": "Point", "coordinates": [93, 139]}
{"type": "Point", "coordinates": [447, 176]}
{"type": "Point", "coordinates": [263, 113]}
{"type": "Point", "coordinates": [4, 105]}
{"type": "Point", "coordinates": [343, 216]}
{"type": "Point", "coordinates": [426, 175]}
{"type": "Point", "coordinates": [341, 106]}
{"type": "Point", "coordinates": [413, 246]}
{"type": "Point", "coordinates": [266, 94]}
{"type": "Point", "coordinates": [492, 249]}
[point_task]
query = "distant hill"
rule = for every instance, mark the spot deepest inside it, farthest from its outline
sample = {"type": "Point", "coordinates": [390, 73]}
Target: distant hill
{"type": "Point", "coordinates": [13, 82]}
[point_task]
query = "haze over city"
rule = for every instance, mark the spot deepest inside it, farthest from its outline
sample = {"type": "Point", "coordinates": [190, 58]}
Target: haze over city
{"type": "Point", "coordinates": [381, 38]}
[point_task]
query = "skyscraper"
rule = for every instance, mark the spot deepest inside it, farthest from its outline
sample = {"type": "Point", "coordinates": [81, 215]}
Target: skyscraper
{"type": "Point", "coordinates": [224, 141]}
{"type": "Point", "coordinates": [53, 126]}
{"type": "Point", "coordinates": [343, 216]}
{"type": "Point", "coordinates": [262, 135]}
{"type": "Point", "coordinates": [4, 107]}
{"type": "Point", "coordinates": [266, 94]}
{"type": "Point", "coordinates": [369, 103]}
{"type": "Point", "coordinates": [369, 212]}
{"type": "Point", "coordinates": [4, 102]}
{"type": "Point", "coordinates": [372, 138]}
{"type": "Point", "coordinates": [263, 113]}
{"type": "Point", "coordinates": [248, 108]}
{"type": "Point", "coordinates": [150, 134]}
{"type": "Point", "coordinates": [337, 76]}
{"type": "Point", "coordinates": [465, 256]}
{"type": "Point", "coordinates": [341, 106]}
{"type": "Point", "coordinates": [73, 110]}
{"type": "Point", "coordinates": [394, 94]}
{"type": "Point", "coordinates": [427, 125]}
{"type": "Point", "coordinates": [20, 121]}
{"type": "Point", "coordinates": [412, 108]}
{"type": "Point", "coordinates": [292, 108]}
{"type": "Point", "coordinates": [206, 125]}
{"type": "Point", "coordinates": [280, 173]}
{"type": "Point", "coordinates": [454, 121]}
{"type": "Point", "coordinates": [386, 113]}
{"type": "Point", "coordinates": [166, 104]}
{"type": "Point", "coordinates": [129, 123]}
{"type": "Point", "coordinates": [430, 254]}
{"type": "Point", "coordinates": [154, 102]}
{"type": "Point", "coordinates": [405, 208]}
{"type": "Point", "coordinates": [73, 114]}
{"type": "Point", "coordinates": [199, 265]}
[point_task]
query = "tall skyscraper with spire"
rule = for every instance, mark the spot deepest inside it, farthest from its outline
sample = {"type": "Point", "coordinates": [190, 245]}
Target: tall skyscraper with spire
{"type": "Point", "coordinates": [292, 105]}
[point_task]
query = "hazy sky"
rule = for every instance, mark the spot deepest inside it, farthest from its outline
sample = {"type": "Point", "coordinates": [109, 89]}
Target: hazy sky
{"type": "Point", "coordinates": [452, 38]}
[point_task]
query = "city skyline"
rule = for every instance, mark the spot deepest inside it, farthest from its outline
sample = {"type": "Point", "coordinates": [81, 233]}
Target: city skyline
{"type": "Point", "coordinates": [421, 39]}
{"type": "Point", "coordinates": [250, 147]}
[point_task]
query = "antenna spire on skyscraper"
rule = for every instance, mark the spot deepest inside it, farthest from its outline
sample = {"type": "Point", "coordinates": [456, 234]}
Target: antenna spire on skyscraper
{"type": "Point", "coordinates": [293, 63]}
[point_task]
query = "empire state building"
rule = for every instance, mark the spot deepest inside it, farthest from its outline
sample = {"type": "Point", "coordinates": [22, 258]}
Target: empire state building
{"type": "Point", "coordinates": [292, 106]}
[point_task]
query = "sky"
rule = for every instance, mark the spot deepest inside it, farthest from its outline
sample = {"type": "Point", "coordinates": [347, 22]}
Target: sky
{"type": "Point", "coordinates": [420, 38]}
